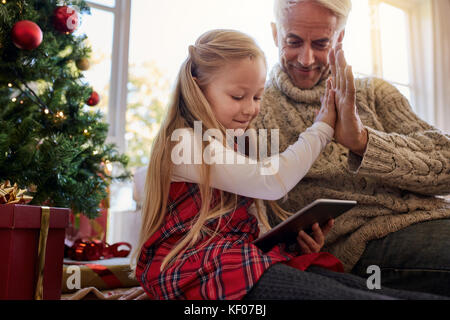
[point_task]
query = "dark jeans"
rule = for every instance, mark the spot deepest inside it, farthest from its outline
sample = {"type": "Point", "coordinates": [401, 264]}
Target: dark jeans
{"type": "Point", "coordinates": [281, 282]}
{"type": "Point", "coordinates": [416, 258]}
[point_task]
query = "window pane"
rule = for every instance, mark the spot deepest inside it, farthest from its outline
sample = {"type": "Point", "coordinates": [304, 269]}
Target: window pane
{"type": "Point", "coordinates": [394, 44]}
{"type": "Point", "coordinates": [101, 41]}
{"type": "Point", "coordinates": [148, 93]}
{"type": "Point", "coordinates": [357, 41]}
{"type": "Point", "coordinates": [108, 3]}
{"type": "Point", "coordinates": [162, 34]}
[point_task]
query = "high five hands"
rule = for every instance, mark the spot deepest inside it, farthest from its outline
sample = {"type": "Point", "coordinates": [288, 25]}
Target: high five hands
{"type": "Point", "coordinates": [349, 129]}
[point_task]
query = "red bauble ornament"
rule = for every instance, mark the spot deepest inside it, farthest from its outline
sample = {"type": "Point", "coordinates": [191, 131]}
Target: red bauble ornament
{"type": "Point", "coordinates": [26, 35]}
{"type": "Point", "coordinates": [65, 19]}
{"type": "Point", "coordinates": [94, 99]}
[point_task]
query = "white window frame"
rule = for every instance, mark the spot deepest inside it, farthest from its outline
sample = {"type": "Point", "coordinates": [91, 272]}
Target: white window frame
{"type": "Point", "coordinates": [411, 8]}
{"type": "Point", "coordinates": [118, 91]}
{"type": "Point", "coordinates": [405, 6]}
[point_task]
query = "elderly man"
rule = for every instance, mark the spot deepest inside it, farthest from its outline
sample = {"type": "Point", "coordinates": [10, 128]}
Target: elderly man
{"type": "Point", "coordinates": [385, 157]}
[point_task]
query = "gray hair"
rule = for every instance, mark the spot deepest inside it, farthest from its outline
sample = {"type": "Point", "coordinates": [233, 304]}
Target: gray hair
{"type": "Point", "coordinates": [341, 8]}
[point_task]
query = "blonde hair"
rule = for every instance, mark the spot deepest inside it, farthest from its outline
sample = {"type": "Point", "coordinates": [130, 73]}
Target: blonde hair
{"type": "Point", "coordinates": [210, 53]}
{"type": "Point", "coordinates": [341, 8]}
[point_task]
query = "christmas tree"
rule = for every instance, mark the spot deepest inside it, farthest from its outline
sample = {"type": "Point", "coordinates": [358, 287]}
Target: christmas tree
{"type": "Point", "coordinates": [50, 142]}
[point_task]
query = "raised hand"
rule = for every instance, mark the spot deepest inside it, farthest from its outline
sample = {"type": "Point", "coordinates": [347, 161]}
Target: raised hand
{"type": "Point", "coordinates": [350, 131]}
{"type": "Point", "coordinates": [327, 112]}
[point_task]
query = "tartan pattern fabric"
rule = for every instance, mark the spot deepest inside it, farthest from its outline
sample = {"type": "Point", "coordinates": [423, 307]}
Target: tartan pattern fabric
{"type": "Point", "coordinates": [225, 268]}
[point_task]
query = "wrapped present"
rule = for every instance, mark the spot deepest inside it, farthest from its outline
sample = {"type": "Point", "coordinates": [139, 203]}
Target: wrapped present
{"type": "Point", "coordinates": [31, 251]}
{"type": "Point", "coordinates": [86, 250]}
{"type": "Point", "coordinates": [106, 274]}
{"type": "Point", "coordinates": [81, 227]}
{"type": "Point", "coordinates": [31, 247]}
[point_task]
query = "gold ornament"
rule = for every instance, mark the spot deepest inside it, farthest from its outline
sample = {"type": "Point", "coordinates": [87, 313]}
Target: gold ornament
{"type": "Point", "coordinates": [83, 64]}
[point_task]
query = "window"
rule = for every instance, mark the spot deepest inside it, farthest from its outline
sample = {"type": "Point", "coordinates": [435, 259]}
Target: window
{"type": "Point", "coordinates": [107, 29]}
{"type": "Point", "coordinates": [101, 42]}
{"type": "Point", "coordinates": [377, 42]}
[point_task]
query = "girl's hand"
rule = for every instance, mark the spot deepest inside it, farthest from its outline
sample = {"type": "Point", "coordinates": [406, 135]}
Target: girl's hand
{"type": "Point", "coordinates": [328, 113]}
{"type": "Point", "coordinates": [315, 244]}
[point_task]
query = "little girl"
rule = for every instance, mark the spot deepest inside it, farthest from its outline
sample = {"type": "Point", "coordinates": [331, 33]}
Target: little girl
{"type": "Point", "coordinates": [198, 218]}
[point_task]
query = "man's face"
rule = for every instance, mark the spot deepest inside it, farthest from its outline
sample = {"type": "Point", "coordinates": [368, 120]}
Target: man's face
{"type": "Point", "coordinates": [304, 38]}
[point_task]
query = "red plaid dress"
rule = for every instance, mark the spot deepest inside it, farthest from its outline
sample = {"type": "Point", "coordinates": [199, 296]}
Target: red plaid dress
{"type": "Point", "coordinates": [227, 268]}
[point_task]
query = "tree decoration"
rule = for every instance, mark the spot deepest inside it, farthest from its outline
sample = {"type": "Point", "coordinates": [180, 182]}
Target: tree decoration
{"type": "Point", "coordinates": [26, 35]}
{"type": "Point", "coordinates": [65, 19]}
{"type": "Point", "coordinates": [83, 64]}
{"type": "Point", "coordinates": [94, 99]}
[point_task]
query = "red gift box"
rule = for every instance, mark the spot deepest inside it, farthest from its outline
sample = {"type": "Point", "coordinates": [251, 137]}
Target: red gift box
{"type": "Point", "coordinates": [81, 227]}
{"type": "Point", "coordinates": [20, 236]}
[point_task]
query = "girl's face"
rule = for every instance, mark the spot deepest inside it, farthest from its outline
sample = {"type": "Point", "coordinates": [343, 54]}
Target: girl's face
{"type": "Point", "coordinates": [235, 92]}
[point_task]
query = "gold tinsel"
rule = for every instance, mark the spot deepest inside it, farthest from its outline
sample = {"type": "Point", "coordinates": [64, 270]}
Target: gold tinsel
{"type": "Point", "coordinates": [13, 195]}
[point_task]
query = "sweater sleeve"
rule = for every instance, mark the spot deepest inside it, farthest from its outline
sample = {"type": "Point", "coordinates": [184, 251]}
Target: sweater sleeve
{"type": "Point", "coordinates": [411, 154]}
{"type": "Point", "coordinates": [268, 179]}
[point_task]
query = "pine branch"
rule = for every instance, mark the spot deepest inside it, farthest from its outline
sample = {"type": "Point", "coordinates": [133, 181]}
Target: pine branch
{"type": "Point", "coordinates": [3, 14]}
{"type": "Point", "coordinates": [39, 101]}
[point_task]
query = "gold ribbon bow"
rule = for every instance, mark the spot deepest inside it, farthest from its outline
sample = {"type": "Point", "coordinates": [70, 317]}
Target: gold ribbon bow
{"type": "Point", "coordinates": [13, 195]}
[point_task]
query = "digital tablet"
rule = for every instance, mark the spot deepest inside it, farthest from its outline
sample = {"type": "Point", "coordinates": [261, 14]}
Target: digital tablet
{"type": "Point", "coordinates": [321, 211]}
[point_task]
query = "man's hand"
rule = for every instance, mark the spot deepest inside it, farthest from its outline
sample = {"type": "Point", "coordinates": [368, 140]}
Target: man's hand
{"type": "Point", "coordinates": [350, 131]}
{"type": "Point", "coordinates": [315, 244]}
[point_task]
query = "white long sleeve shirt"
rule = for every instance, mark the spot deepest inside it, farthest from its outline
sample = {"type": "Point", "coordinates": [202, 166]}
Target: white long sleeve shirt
{"type": "Point", "coordinates": [269, 179]}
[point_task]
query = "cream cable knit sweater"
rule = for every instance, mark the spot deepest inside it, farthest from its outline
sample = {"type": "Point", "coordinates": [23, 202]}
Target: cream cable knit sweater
{"type": "Point", "coordinates": [407, 163]}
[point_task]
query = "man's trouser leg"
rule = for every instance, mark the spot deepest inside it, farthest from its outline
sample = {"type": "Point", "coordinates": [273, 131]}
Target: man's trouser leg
{"type": "Point", "coordinates": [416, 258]}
